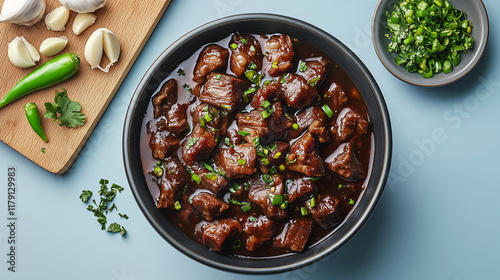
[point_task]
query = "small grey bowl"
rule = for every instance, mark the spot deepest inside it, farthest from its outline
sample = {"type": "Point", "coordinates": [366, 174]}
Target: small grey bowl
{"type": "Point", "coordinates": [476, 13]}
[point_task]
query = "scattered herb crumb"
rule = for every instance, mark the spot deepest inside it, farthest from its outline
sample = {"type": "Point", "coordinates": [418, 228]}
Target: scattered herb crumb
{"type": "Point", "coordinates": [43, 150]}
{"type": "Point", "coordinates": [101, 209]}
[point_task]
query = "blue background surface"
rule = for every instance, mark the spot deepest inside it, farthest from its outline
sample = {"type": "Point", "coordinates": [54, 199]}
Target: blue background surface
{"type": "Point", "coordinates": [438, 217]}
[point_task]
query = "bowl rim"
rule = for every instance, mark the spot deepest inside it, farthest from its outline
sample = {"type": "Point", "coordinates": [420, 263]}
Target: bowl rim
{"type": "Point", "coordinates": [385, 153]}
{"type": "Point", "coordinates": [398, 71]}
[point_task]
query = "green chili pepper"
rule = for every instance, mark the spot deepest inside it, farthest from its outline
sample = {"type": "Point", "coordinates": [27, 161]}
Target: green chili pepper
{"type": "Point", "coordinates": [33, 116]}
{"type": "Point", "coordinates": [52, 72]}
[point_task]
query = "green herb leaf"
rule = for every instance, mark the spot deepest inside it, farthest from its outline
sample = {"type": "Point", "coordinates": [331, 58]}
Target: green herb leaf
{"type": "Point", "coordinates": [64, 111]}
{"type": "Point", "coordinates": [190, 142]}
{"type": "Point", "coordinates": [86, 194]}
{"type": "Point", "coordinates": [243, 133]}
{"type": "Point", "coordinates": [181, 72]}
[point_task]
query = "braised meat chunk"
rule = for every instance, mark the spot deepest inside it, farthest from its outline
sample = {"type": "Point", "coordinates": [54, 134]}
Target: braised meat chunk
{"type": "Point", "coordinates": [245, 54]}
{"type": "Point", "coordinates": [304, 158]}
{"type": "Point", "coordinates": [253, 123]}
{"type": "Point", "coordinates": [223, 91]}
{"type": "Point", "coordinates": [350, 123]}
{"type": "Point", "coordinates": [278, 122]}
{"type": "Point", "coordinates": [271, 92]}
{"type": "Point", "coordinates": [256, 231]}
{"type": "Point", "coordinates": [199, 145]}
{"type": "Point", "coordinates": [210, 179]}
{"type": "Point", "coordinates": [295, 235]}
{"type": "Point", "coordinates": [209, 206]}
{"type": "Point", "coordinates": [263, 192]}
{"type": "Point", "coordinates": [300, 189]}
{"type": "Point", "coordinates": [212, 57]}
{"type": "Point", "coordinates": [298, 92]}
{"type": "Point", "coordinates": [318, 130]}
{"type": "Point", "coordinates": [313, 70]}
{"type": "Point", "coordinates": [275, 156]}
{"type": "Point", "coordinates": [326, 211]}
{"type": "Point", "coordinates": [337, 96]}
{"type": "Point", "coordinates": [174, 178]}
{"type": "Point", "coordinates": [216, 233]}
{"type": "Point", "coordinates": [166, 97]}
{"type": "Point", "coordinates": [280, 54]}
{"type": "Point", "coordinates": [344, 163]}
{"type": "Point", "coordinates": [238, 161]}
{"type": "Point", "coordinates": [305, 118]}
{"type": "Point", "coordinates": [177, 120]}
{"type": "Point", "coordinates": [163, 145]}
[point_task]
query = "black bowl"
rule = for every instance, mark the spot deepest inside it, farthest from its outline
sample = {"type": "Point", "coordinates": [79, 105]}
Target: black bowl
{"type": "Point", "coordinates": [258, 23]}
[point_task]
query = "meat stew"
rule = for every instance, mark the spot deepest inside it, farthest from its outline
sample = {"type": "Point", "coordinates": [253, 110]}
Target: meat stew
{"type": "Point", "coordinates": [260, 152]}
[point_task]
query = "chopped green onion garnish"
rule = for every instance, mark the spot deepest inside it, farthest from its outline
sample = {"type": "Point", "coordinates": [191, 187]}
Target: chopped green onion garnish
{"type": "Point", "coordinates": [264, 161]}
{"type": "Point", "coordinates": [211, 176]}
{"type": "Point", "coordinates": [277, 200]}
{"type": "Point", "coordinates": [284, 205]}
{"type": "Point", "coordinates": [265, 114]}
{"type": "Point", "coordinates": [282, 167]}
{"type": "Point", "coordinates": [327, 110]}
{"type": "Point", "coordinates": [252, 65]}
{"type": "Point", "coordinates": [351, 202]}
{"type": "Point", "coordinates": [288, 160]}
{"type": "Point", "coordinates": [303, 211]}
{"type": "Point", "coordinates": [252, 219]}
{"type": "Point", "coordinates": [181, 72]}
{"type": "Point", "coordinates": [243, 133]}
{"type": "Point", "coordinates": [242, 161]}
{"type": "Point", "coordinates": [313, 202]}
{"type": "Point", "coordinates": [267, 178]}
{"type": "Point", "coordinates": [246, 207]}
{"type": "Point", "coordinates": [225, 106]}
{"type": "Point", "coordinates": [273, 171]}
{"type": "Point", "coordinates": [277, 155]}
{"type": "Point", "coordinates": [252, 48]}
{"type": "Point", "coordinates": [340, 186]}
{"type": "Point", "coordinates": [303, 66]}
{"type": "Point", "coordinates": [266, 104]}
{"type": "Point", "coordinates": [295, 126]}
{"type": "Point", "coordinates": [196, 178]}
{"type": "Point", "coordinates": [274, 65]}
{"type": "Point", "coordinates": [234, 46]}
{"type": "Point", "coordinates": [218, 76]}
{"type": "Point", "coordinates": [314, 81]}
{"type": "Point", "coordinates": [234, 188]}
{"type": "Point", "coordinates": [177, 205]}
{"type": "Point", "coordinates": [244, 41]}
{"type": "Point", "coordinates": [158, 171]}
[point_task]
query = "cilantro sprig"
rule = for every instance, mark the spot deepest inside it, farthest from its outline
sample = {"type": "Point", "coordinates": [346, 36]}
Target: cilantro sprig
{"type": "Point", "coordinates": [64, 111]}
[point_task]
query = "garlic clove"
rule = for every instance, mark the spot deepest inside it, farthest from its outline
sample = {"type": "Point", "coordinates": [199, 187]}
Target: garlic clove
{"type": "Point", "coordinates": [111, 47]}
{"type": "Point", "coordinates": [101, 40]}
{"type": "Point", "coordinates": [57, 19]}
{"type": "Point", "coordinates": [23, 12]}
{"type": "Point", "coordinates": [83, 6]}
{"type": "Point", "coordinates": [82, 22]}
{"type": "Point", "coordinates": [94, 48]}
{"type": "Point", "coordinates": [54, 45]}
{"type": "Point", "coordinates": [21, 53]}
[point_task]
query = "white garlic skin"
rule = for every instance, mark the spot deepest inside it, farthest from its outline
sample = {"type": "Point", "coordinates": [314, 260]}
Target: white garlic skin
{"type": "Point", "coordinates": [83, 6]}
{"type": "Point", "coordinates": [53, 45]}
{"type": "Point", "coordinates": [22, 12]}
{"type": "Point", "coordinates": [57, 19]}
{"type": "Point", "coordinates": [102, 40]}
{"type": "Point", "coordinates": [21, 53]}
{"type": "Point", "coordinates": [82, 22]}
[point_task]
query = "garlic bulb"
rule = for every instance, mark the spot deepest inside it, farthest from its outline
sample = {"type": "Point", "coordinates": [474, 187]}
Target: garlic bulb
{"type": "Point", "coordinates": [54, 45]}
{"type": "Point", "coordinates": [23, 12]}
{"type": "Point", "coordinates": [57, 19]}
{"type": "Point", "coordinates": [82, 22]}
{"type": "Point", "coordinates": [83, 6]}
{"type": "Point", "coordinates": [102, 40]}
{"type": "Point", "coordinates": [21, 53]}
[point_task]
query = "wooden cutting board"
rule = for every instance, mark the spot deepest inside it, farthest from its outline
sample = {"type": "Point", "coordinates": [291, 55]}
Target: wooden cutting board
{"type": "Point", "coordinates": [131, 20]}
